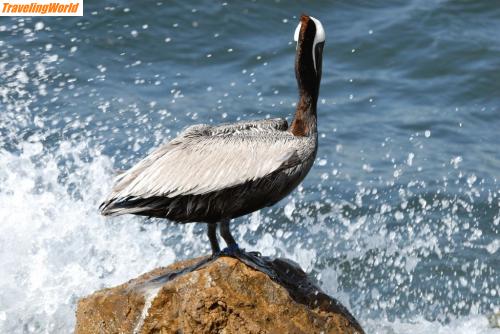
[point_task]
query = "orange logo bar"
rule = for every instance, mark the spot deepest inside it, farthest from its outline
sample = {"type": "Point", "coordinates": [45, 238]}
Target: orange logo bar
{"type": "Point", "coordinates": [41, 8]}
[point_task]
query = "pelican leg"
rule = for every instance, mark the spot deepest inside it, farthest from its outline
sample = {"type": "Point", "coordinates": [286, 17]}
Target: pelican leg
{"type": "Point", "coordinates": [212, 236]}
{"type": "Point", "coordinates": [225, 232]}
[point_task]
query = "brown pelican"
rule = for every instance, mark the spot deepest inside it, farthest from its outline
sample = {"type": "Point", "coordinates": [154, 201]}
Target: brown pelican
{"type": "Point", "coordinates": [212, 174]}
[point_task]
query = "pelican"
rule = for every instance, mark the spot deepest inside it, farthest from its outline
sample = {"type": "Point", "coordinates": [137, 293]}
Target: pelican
{"type": "Point", "coordinates": [214, 173]}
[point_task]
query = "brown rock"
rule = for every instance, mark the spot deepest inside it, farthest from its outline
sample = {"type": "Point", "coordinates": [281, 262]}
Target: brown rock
{"type": "Point", "coordinates": [248, 294]}
{"type": "Point", "coordinates": [494, 320]}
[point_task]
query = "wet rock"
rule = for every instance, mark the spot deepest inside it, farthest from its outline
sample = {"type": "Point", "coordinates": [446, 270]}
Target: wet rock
{"type": "Point", "coordinates": [242, 294]}
{"type": "Point", "coordinates": [494, 320]}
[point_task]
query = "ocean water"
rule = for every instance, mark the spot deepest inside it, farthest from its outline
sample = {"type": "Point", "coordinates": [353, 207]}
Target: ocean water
{"type": "Point", "coordinates": [399, 218]}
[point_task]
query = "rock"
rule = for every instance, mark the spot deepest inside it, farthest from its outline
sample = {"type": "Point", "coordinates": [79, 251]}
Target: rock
{"type": "Point", "coordinates": [494, 320]}
{"type": "Point", "coordinates": [241, 294]}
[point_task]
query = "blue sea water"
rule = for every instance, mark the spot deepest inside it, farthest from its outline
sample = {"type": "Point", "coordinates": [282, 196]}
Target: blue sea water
{"type": "Point", "coordinates": [399, 218]}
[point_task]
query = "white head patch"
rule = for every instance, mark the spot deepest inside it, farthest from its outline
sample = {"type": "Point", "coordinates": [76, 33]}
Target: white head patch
{"type": "Point", "coordinates": [297, 31]}
{"type": "Point", "coordinates": [318, 38]}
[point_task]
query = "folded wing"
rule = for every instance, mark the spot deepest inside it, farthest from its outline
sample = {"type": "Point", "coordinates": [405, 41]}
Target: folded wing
{"type": "Point", "coordinates": [205, 159]}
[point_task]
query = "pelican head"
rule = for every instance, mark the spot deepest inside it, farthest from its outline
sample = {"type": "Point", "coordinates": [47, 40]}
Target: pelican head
{"type": "Point", "coordinates": [310, 38]}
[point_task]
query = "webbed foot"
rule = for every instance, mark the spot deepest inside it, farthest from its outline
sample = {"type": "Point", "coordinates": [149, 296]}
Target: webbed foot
{"type": "Point", "coordinates": [232, 249]}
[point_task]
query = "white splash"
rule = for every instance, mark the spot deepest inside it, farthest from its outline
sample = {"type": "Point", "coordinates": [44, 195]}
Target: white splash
{"type": "Point", "coordinates": [149, 296]}
{"type": "Point", "coordinates": [55, 248]}
{"type": "Point", "coordinates": [469, 325]}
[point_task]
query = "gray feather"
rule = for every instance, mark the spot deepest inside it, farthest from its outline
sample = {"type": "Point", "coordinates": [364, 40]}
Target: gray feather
{"type": "Point", "coordinates": [205, 161]}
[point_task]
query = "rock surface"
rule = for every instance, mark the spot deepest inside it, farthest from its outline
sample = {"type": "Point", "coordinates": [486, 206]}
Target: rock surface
{"type": "Point", "coordinates": [494, 320]}
{"type": "Point", "coordinates": [247, 294]}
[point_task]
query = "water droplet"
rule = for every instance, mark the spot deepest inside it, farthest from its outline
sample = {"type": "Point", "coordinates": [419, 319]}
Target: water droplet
{"type": "Point", "coordinates": [367, 168]}
{"type": "Point", "coordinates": [409, 161]}
{"type": "Point", "coordinates": [39, 26]}
{"type": "Point", "coordinates": [399, 215]}
{"type": "Point", "coordinates": [471, 179]}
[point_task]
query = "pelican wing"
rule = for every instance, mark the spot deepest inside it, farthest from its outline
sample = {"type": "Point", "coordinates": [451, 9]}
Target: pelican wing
{"type": "Point", "coordinates": [252, 126]}
{"type": "Point", "coordinates": [204, 159]}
